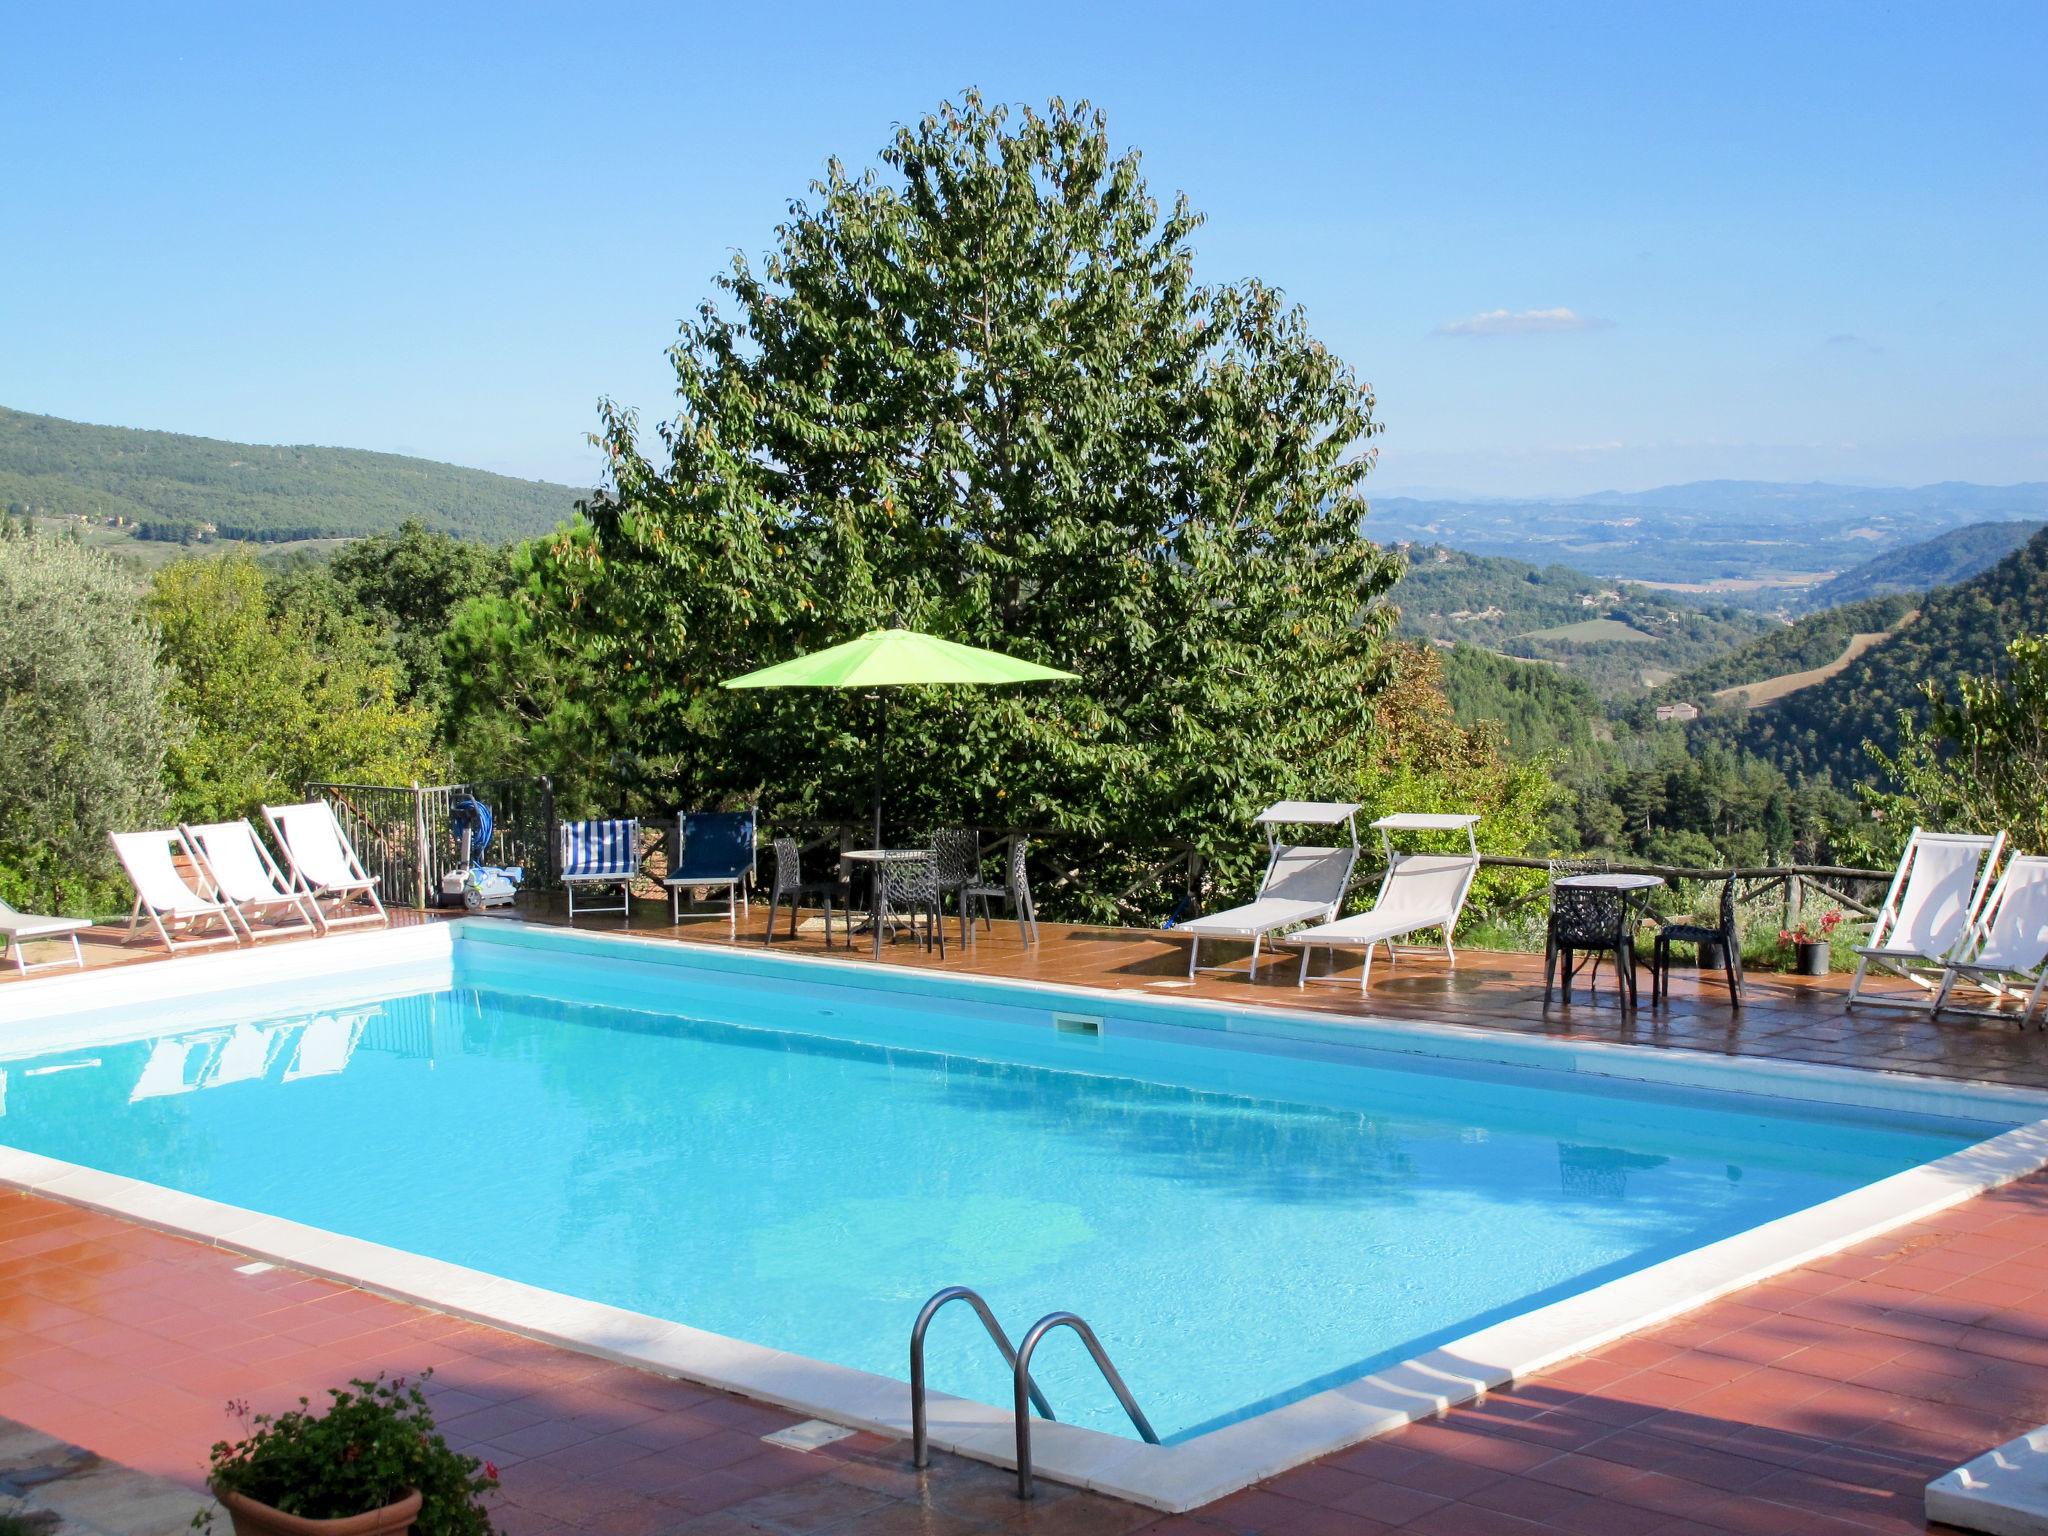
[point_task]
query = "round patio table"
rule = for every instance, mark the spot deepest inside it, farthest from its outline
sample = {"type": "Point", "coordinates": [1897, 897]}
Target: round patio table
{"type": "Point", "coordinates": [878, 918]}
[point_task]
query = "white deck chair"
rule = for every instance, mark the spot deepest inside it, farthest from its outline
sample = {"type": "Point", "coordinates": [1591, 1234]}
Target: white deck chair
{"type": "Point", "coordinates": [1302, 884]}
{"type": "Point", "coordinates": [166, 896]}
{"type": "Point", "coordinates": [23, 927]}
{"type": "Point", "coordinates": [2011, 941]}
{"type": "Point", "coordinates": [248, 1054]}
{"type": "Point", "coordinates": [1418, 891]}
{"type": "Point", "coordinates": [248, 879]}
{"type": "Point", "coordinates": [323, 862]}
{"type": "Point", "coordinates": [1931, 909]}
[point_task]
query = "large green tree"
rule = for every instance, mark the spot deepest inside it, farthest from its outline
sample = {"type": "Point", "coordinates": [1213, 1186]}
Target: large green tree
{"type": "Point", "coordinates": [980, 389]}
{"type": "Point", "coordinates": [81, 722]}
{"type": "Point", "coordinates": [268, 698]}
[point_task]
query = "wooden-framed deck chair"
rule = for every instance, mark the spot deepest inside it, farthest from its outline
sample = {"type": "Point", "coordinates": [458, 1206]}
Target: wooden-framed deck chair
{"type": "Point", "coordinates": [600, 853]}
{"type": "Point", "coordinates": [323, 864]}
{"type": "Point", "coordinates": [1419, 891]}
{"type": "Point", "coordinates": [1303, 883]}
{"type": "Point", "coordinates": [2009, 948]}
{"type": "Point", "coordinates": [175, 1065]}
{"type": "Point", "coordinates": [247, 879]}
{"type": "Point", "coordinates": [248, 1054]}
{"type": "Point", "coordinates": [1931, 909]}
{"type": "Point", "coordinates": [326, 1045]}
{"type": "Point", "coordinates": [23, 928]}
{"type": "Point", "coordinates": [713, 849]}
{"type": "Point", "coordinates": [180, 907]}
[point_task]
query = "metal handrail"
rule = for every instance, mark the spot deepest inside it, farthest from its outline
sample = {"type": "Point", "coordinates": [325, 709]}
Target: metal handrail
{"type": "Point", "coordinates": [920, 1453]}
{"type": "Point", "coordinates": [1021, 1371]}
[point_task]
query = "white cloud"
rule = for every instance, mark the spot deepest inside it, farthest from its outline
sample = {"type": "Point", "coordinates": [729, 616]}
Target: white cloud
{"type": "Point", "coordinates": [1523, 322]}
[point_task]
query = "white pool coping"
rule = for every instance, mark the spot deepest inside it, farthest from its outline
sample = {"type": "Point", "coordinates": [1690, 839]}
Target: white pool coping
{"type": "Point", "coordinates": [1175, 1477]}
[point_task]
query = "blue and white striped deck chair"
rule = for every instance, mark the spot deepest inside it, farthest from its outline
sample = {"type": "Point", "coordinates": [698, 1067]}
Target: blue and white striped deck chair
{"type": "Point", "coordinates": [601, 853]}
{"type": "Point", "coordinates": [714, 848]}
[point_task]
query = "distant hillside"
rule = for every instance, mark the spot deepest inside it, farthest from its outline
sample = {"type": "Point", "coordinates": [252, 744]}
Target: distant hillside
{"type": "Point", "coordinates": [1541, 708]}
{"type": "Point", "coordinates": [1937, 562]}
{"type": "Point", "coordinates": [1709, 532]}
{"type": "Point", "coordinates": [169, 486]}
{"type": "Point", "coordinates": [1961, 630]}
{"type": "Point", "coordinates": [1813, 641]}
{"type": "Point", "coordinates": [1607, 633]}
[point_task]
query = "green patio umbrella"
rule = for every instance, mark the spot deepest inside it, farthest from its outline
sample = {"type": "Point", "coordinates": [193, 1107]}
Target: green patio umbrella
{"type": "Point", "coordinates": [895, 658]}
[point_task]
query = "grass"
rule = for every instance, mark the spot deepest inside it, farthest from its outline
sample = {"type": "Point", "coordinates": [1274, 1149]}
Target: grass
{"type": "Point", "coordinates": [1589, 631]}
{"type": "Point", "coordinates": [1772, 689]}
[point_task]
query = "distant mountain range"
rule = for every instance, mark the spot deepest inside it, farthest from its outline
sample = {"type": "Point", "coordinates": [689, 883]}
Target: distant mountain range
{"type": "Point", "coordinates": [1937, 562]}
{"type": "Point", "coordinates": [165, 485]}
{"type": "Point", "coordinates": [1732, 537]}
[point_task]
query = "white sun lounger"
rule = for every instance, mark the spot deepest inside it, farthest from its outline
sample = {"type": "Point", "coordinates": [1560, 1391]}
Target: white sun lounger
{"type": "Point", "coordinates": [1930, 910]}
{"type": "Point", "coordinates": [23, 927]}
{"type": "Point", "coordinates": [175, 1066]}
{"type": "Point", "coordinates": [248, 1054]}
{"type": "Point", "coordinates": [165, 896]}
{"type": "Point", "coordinates": [323, 863]}
{"type": "Point", "coordinates": [247, 878]}
{"type": "Point", "coordinates": [2011, 941]}
{"type": "Point", "coordinates": [1302, 884]}
{"type": "Point", "coordinates": [326, 1045]}
{"type": "Point", "coordinates": [1418, 891]}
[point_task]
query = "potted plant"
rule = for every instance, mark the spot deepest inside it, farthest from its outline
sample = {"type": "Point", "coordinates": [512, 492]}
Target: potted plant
{"type": "Point", "coordinates": [372, 1463]}
{"type": "Point", "coordinates": [1810, 943]}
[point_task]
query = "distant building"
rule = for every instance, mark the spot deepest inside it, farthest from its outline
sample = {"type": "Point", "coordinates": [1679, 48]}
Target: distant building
{"type": "Point", "coordinates": [1678, 712]}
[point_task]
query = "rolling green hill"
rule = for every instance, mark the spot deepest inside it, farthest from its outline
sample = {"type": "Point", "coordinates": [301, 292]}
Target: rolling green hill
{"type": "Point", "coordinates": [1605, 633]}
{"type": "Point", "coordinates": [166, 486]}
{"type": "Point", "coordinates": [1541, 708]}
{"type": "Point", "coordinates": [1961, 630]}
{"type": "Point", "coordinates": [1813, 641]}
{"type": "Point", "coordinates": [1937, 562]}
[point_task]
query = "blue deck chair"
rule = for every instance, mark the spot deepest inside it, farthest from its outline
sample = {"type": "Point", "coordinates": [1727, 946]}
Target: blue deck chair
{"type": "Point", "coordinates": [601, 853]}
{"type": "Point", "coordinates": [714, 848]}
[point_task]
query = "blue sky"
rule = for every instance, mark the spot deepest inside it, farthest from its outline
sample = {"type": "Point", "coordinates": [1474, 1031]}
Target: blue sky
{"type": "Point", "coordinates": [1573, 246]}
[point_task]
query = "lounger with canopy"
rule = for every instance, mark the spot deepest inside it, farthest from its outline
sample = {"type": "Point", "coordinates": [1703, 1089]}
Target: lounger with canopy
{"type": "Point", "coordinates": [1303, 883]}
{"type": "Point", "coordinates": [2009, 948]}
{"type": "Point", "coordinates": [1418, 891]}
{"type": "Point", "coordinates": [248, 880]}
{"type": "Point", "coordinates": [1930, 909]}
{"type": "Point", "coordinates": [21, 928]}
{"type": "Point", "coordinates": [323, 863]}
{"type": "Point", "coordinates": [182, 903]}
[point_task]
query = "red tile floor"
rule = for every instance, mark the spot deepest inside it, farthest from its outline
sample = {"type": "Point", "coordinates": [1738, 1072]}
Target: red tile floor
{"type": "Point", "coordinates": [1818, 1403]}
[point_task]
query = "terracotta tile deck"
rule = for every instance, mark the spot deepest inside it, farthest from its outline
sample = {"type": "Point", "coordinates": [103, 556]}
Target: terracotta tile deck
{"type": "Point", "coordinates": [1820, 1402]}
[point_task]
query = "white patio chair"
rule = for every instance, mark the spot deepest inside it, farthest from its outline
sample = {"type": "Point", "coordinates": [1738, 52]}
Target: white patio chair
{"type": "Point", "coordinates": [323, 863]}
{"type": "Point", "coordinates": [1302, 884]}
{"type": "Point", "coordinates": [22, 927]}
{"type": "Point", "coordinates": [166, 896]}
{"type": "Point", "coordinates": [247, 878]}
{"type": "Point", "coordinates": [2010, 942]}
{"type": "Point", "coordinates": [1419, 891]}
{"type": "Point", "coordinates": [1930, 909]}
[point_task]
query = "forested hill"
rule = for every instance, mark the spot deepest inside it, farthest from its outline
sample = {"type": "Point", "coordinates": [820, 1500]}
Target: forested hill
{"type": "Point", "coordinates": [1813, 641]}
{"type": "Point", "coordinates": [172, 486]}
{"type": "Point", "coordinates": [1961, 630]}
{"type": "Point", "coordinates": [1937, 562]}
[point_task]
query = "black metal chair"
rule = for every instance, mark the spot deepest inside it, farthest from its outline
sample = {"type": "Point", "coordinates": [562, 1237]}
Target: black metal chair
{"type": "Point", "coordinates": [1679, 931]}
{"type": "Point", "coordinates": [1593, 920]}
{"type": "Point", "coordinates": [956, 860]}
{"type": "Point", "coordinates": [911, 886]}
{"type": "Point", "coordinates": [788, 881]}
{"type": "Point", "coordinates": [1016, 889]}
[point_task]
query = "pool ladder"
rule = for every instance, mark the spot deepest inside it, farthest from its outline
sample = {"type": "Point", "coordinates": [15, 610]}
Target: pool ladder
{"type": "Point", "coordinates": [1019, 1360]}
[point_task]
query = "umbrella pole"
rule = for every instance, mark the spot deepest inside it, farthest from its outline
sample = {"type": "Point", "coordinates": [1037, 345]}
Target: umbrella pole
{"type": "Point", "coordinates": [881, 753]}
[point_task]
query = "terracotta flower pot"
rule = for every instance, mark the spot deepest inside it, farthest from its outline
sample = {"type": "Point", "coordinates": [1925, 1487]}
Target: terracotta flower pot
{"type": "Point", "coordinates": [253, 1518]}
{"type": "Point", "coordinates": [1814, 959]}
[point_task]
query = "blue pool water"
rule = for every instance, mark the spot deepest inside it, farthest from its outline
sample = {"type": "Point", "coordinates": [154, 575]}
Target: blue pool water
{"type": "Point", "coordinates": [801, 1164]}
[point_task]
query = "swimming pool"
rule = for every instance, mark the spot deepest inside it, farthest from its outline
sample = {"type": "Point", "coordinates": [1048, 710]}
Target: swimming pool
{"type": "Point", "coordinates": [1250, 1212]}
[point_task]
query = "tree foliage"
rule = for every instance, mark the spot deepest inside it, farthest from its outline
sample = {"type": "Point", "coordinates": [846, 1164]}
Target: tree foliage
{"type": "Point", "coordinates": [268, 699]}
{"type": "Point", "coordinates": [982, 392]}
{"type": "Point", "coordinates": [81, 723]}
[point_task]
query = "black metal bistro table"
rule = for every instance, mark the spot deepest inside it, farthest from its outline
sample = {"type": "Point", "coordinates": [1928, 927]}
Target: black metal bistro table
{"type": "Point", "coordinates": [878, 905]}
